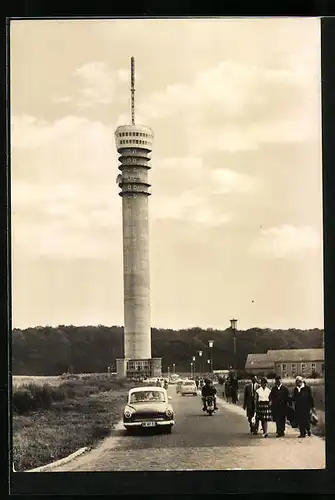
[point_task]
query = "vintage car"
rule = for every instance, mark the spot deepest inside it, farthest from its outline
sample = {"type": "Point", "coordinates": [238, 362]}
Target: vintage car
{"type": "Point", "coordinates": [148, 407]}
{"type": "Point", "coordinates": [178, 385]}
{"type": "Point", "coordinates": [188, 387]}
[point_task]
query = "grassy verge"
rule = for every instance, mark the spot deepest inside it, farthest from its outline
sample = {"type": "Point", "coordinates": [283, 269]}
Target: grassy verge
{"type": "Point", "coordinates": [58, 421]}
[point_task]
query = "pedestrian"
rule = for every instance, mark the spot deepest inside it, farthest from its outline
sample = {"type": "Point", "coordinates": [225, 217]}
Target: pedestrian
{"type": "Point", "coordinates": [303, 406]}
{"type": "Point", "coordinates": [263, 412]}
{"type": "Point", "coordinates": [234, 389]}
{"type": "Point", "coordinates": [279, 399]}
{"type": "Point", "coordinates": [228, 388]}
{"type": "Point", "coordinates": [197, 382]}
{"type": "Point", "coordinates": [249, 401]}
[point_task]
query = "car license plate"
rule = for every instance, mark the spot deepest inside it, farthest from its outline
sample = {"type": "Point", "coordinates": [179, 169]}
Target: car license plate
{"type": "Point", "coordinates": [149, 424]}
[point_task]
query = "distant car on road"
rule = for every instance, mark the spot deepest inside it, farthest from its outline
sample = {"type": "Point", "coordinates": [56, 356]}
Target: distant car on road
{"type": "Point", "coordinates": [188, 387]}
{"type": "Point", "coordinates": [178, 386]}
{"type": "Point", "coordinates": [148, 407]}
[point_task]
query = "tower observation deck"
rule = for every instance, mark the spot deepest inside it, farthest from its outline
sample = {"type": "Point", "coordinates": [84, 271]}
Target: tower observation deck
{"type": "Point", "coordinates": [134, 145]}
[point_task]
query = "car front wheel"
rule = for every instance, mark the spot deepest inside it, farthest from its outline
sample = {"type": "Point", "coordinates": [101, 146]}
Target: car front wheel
{"type": "Point", "coordinates": [168, 429]}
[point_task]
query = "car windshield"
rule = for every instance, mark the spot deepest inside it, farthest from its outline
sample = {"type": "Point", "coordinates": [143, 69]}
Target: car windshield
{"type": "Point", "coordinates": [188, 383]}
{"type": "Point", "coordinates": [147, 397]}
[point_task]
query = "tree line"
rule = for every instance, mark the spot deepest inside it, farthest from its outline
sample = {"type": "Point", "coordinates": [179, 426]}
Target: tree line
{"type": "Point", "coordinates": [92, 349]}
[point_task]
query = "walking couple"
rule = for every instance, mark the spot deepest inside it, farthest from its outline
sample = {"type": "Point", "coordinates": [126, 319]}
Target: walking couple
{"type": "Point", "coordinates": [264, 405]}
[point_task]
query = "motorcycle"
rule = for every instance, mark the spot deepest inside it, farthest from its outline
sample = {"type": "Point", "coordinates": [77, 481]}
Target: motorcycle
{"type": "Point", "coordinates": [210, 407]}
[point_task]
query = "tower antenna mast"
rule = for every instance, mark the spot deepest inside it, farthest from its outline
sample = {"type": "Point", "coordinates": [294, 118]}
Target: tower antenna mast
{"type": "Point", "coordinates": [132, 90]}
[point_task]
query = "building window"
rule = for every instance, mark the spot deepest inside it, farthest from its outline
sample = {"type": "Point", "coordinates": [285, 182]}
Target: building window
{"type": "Point", "coordinates": [303, 367]}
{"type": "Point", "coordinates": [294, 368]}
{"type": "Point", "coordinates": [313, 366]}
{"type": "Point", "coordinates": [283, 367]}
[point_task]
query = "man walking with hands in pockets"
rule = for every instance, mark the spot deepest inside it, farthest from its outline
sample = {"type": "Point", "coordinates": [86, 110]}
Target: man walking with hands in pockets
{"type": "Point", "coordinates": [279, 399]}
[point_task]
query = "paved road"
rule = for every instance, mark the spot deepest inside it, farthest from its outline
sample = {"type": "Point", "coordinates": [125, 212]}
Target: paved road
{"type": "Point", "coordinates": [199, 441]}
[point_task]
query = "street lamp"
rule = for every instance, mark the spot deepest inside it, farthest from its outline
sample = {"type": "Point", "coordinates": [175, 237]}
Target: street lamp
{"type": "Point", "coordinates": [211, 345]}
{"type": "Point", "coordinates": [168, 372]}
{"type": "Point", "coordinates": [174, 368]}
{"type": "Point", "coordinates": [209, 365]}
{"type": "Point", "coordinates": [191, 370]}
{"type": "Point", "coordinates": [200, 356]}
{"type": "Point", "coordinates": [193, 359]}
{"type": "Point", "coordinates": [233, 324]}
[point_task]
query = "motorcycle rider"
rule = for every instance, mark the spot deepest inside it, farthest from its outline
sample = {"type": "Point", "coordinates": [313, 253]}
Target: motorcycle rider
{"type": "Point", "coordinates": [208, 390]}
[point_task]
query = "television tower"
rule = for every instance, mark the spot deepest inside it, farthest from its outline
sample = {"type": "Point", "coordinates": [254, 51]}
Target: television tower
{"type": "Point", "coordinates": [134, 144]}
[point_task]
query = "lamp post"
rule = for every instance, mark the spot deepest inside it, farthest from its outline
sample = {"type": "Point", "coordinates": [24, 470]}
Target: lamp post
{"type": "Point", "coordinates": [211, 345]}
{"type": "Point", "coordinates": [193, 360]}
{"type": "Point", "coordinates": [174, 368]}
{"type": "Point", "coordinates": [168, 372]}
{"type": "Point", "coordinates": [233, 324]}
{"type": "Point", "coordinates": [200, 356]}
{"type": "Point", "coordinates": [191, 369]}
{"type": "Point", "coordinates": [209, 365]}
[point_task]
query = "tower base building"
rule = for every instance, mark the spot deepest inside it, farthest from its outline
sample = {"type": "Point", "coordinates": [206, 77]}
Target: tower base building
{"type": "Point", "coordinates": [139, 368]}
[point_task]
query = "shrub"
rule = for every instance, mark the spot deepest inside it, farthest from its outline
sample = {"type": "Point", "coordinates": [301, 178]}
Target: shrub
{"type": "Point", "coordinates": [34, 397]}
{"type": "Point", "coordinates": [22, 401]}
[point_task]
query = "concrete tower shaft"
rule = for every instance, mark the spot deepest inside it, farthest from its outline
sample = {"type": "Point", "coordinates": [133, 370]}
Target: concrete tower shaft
{"type": "Point", "coordinates": [134, 144]}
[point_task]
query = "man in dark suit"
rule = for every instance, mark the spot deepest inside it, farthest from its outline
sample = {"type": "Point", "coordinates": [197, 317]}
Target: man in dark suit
{"type": "Point", "coordinates": [249, 401]}
{"type": "Point", "coordinates": [303, 405]}
{"type": "Point", "coordinates": [279, 398]}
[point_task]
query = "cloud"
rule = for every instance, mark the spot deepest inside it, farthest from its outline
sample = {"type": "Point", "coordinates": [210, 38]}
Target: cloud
{"type": "Point", "coordinates": [63, 188]}
{"type": "Point", "coordinates": [227, 181]}
{"type": "Point", "coordinates": [286, 241]}
{"type": "Point", "coordinates": [238, 106]}
{"type": "Point", "coordinates": [191, 184]}
{"type": "Point", "coordinates": [96, 84]}
{"type": "Point", "coordinates": [62, 99]}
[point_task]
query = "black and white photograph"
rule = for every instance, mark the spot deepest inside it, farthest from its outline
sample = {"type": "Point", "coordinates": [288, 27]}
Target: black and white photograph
{"type": "Point", "coordinates": [166, 245]}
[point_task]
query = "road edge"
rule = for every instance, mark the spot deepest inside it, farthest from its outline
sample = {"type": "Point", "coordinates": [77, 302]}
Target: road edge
{"type": "Point", "coordinates": [65, 460]}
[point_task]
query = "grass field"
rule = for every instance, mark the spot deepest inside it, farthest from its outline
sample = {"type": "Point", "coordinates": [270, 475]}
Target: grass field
{"type": "Point", "coordinates": [51, 422]}
{"type": "Point", "coordinates": [20, 380]}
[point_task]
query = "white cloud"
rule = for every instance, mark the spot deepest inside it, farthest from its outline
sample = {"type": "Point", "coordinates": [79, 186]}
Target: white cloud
{"type": "Point", "coordinates": [71, 192]}
{"type": "Point", "coordinates": [62, 99]}
{"type": "Point", "coordinates": [237, 106]}
{"type": "Point", "coordinates": [99, 84]}
{"type": "Point", "coordinates": [227, 181]}
{"type": "Point", "coordinates": [286, 241]}
{"type": "Point", "coordinates": [174, 207]}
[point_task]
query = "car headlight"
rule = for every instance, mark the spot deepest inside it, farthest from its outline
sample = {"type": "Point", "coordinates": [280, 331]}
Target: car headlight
{"type": "Point", "coordinates": [127, 414]}
{"type": "Point", "coordinates": [169, 413]}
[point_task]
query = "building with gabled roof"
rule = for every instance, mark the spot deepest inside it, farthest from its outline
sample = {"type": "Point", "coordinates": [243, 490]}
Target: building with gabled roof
{"type": "Point", "coordinates": [287, 362]}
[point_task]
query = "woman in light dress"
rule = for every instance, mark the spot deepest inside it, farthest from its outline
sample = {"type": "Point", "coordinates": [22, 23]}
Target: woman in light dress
{"type": "Point", "coordinates": [262, 405]}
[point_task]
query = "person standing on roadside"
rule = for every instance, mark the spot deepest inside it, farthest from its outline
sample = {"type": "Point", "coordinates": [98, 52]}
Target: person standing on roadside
{"type": "Point", "coordinates": [249, 401]}
{"type": "Point", "coordinates": [303, 406]}
{"type": "Point", "coordinates": [234, 389]}
{"type": "Point", "coordinates": [263, 412]}
{"type": "Point", "coordinates": [279, 399]}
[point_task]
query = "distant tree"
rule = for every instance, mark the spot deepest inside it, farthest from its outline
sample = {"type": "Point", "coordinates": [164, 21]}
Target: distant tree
{"type": "Point", "coordinates": [54, 350]}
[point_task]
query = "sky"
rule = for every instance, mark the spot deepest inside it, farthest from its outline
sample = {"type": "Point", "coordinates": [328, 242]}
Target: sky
{"type": "Point", "coordinates": [236, 206]}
